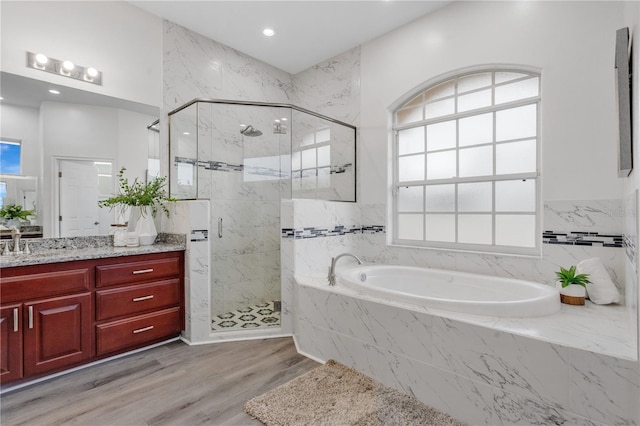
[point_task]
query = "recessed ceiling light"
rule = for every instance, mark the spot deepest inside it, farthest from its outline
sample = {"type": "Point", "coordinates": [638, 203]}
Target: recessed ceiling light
{"type": "Point", "coordinates": [54, 91]}
{"type": "Point", "coordinates": [269, 32]}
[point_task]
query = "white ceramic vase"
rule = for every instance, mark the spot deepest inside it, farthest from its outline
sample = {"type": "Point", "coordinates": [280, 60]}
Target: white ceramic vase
{"type": "Point", "coordinates": [141, 221]}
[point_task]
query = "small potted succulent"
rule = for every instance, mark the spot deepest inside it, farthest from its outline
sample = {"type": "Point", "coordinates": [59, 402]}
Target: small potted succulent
{"type": "Point", "coordinates": [572, 286]}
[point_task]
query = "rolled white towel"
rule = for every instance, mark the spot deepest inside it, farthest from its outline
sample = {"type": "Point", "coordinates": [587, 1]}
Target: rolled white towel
{"type": "Point", "coordinates": [601, 290]}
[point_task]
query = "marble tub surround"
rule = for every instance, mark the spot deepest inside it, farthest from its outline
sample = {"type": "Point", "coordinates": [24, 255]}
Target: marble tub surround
{"type": "Point", "coordinates": [52, 250]}
{"type": "Point", "coordinates": [603, 329]}
{"type": "Point", "coordinates": [475, 371]}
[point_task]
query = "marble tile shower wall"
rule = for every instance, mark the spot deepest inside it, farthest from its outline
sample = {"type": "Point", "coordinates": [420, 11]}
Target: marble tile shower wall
{"type": "Point", "coordinates": [195, 66]}
{"type": "Point", "coordinates": [331, 87]}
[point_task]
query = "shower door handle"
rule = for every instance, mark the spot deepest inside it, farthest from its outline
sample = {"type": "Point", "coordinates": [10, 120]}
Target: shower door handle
{"type": "Point", "coordinates": [219, 227]}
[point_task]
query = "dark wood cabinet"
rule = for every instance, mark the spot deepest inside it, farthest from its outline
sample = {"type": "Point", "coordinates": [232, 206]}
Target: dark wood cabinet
{"type": "Point", "coordinates": [56, 316]}
{"type": "Point", "coordinates": [57, 333]}
{"type": "Point", "coordinates": [11, 342]}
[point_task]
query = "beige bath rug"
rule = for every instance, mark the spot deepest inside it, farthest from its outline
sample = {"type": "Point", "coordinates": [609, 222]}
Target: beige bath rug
{"type": "Point", "coordinates": [334, 394]}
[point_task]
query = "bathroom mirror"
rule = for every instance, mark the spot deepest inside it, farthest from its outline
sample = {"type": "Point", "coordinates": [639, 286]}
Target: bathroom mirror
{"type": "Point", "coordinates": [19, 190]}
{"type": "Point", "coordinates": [75, 130]}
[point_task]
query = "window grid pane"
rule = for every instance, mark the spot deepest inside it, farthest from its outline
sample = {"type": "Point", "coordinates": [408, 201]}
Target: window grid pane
{"type": "Point", "coordinates": [484, 150]}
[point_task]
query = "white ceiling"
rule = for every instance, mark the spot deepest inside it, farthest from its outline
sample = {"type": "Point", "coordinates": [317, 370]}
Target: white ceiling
{"type": "Point", "coordinates": [307, 31]}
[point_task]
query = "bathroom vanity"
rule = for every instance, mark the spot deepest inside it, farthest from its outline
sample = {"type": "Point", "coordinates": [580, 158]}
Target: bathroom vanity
{"type": "Point", "coordinates": [77, 306]}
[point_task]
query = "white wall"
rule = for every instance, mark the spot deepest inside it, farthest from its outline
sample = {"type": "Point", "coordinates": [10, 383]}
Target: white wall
{"type": "Point", "coordinates": [18, 122]}
{"type": "Point", "coordinates": [573, 44]}
{"type": "Point", "coordinates": [114, 37]}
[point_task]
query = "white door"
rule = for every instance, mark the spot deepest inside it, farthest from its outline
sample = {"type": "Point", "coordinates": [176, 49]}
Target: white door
{"type": "Point", "coordinates": [79, 215]}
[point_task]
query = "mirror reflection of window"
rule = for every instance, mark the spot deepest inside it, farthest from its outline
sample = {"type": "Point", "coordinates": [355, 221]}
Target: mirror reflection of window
{"type": "Point", "coordinates": [311, 162]}
{"type": "Point", "coordinates": [10, 152]}
{"type": "Point", "coordinates": [3, 193]}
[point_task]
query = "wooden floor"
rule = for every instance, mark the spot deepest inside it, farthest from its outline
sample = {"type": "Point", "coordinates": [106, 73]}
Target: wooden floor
{"type": "Point", "coordinates": [174, 384]}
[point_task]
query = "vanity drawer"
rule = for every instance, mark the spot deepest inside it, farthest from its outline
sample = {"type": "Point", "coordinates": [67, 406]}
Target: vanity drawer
{"type": "Point", "coordinates": [37, 285]}
{"type": "Point", "coordinates": [131, 300]}
{"type": "Point", "coordinates": [132, 272]}
{"type": "Point", "coordinates": [117, 335]}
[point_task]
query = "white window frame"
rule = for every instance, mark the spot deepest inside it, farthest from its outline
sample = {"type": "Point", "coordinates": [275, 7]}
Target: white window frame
{"type": "Point", "coordinates": [395, 184]}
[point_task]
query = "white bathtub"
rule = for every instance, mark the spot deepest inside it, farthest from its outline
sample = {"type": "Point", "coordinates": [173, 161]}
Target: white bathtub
{"type": "Point", "coordinates": [454, 291]}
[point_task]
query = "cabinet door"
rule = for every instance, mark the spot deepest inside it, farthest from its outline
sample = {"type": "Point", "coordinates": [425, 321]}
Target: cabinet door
{"type": "Point", "coordinates": [57, 333]}
{"type": "Point", "coordinates": [10, 343]}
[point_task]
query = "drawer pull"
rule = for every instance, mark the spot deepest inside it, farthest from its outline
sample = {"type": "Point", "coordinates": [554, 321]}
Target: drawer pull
{"type": "Point", "coordinates": [142, 330]}
{"type": "Point", "coordinates": [30, 316]}
{"type": "Point", "coordinates": [142, 271]}
{"type": "Point", "coordinates": [15, 320]}
{"type": "Point", "coordinates": [140, 299]}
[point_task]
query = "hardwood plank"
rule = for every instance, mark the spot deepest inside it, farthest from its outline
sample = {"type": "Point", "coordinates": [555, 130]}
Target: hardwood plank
{"type": "Point", "coordinates": [171, 384]}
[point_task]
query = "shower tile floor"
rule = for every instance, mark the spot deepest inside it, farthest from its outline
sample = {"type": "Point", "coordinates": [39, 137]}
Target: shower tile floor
{"type": "Point", "coordinates": [258, 316]}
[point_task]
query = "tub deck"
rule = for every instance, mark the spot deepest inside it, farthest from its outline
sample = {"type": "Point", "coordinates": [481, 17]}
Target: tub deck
{"type": "Point", "coordinates": [603, 329]}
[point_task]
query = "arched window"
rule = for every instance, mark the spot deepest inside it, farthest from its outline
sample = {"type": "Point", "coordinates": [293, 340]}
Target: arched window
{"type": "Point", "coordinates": [466, 164]}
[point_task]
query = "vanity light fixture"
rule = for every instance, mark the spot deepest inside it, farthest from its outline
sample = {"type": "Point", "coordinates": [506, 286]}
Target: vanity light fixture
{"type": "Point", "coordinates": [268, 32]}
{"type": "Point", "coordinates": [65, 68]}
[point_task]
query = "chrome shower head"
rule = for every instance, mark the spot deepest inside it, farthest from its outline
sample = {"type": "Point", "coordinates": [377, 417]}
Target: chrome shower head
{"type": "Point", "coordinates": [250, 131]}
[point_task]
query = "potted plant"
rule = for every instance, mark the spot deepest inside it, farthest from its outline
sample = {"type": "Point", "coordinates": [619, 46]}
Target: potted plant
{"type": "Point", "coordinates": [144, 199]}
{"type": "Point", "coordinates": [572, 286]}
{"type": "Point", "coordinates": [13, 215]}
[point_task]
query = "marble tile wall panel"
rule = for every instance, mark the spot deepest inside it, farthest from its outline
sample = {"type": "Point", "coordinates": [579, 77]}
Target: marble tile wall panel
{"type": "Point", "coordinates": [288, 316]}
{"type": "Point", "coordinates": [326, 214]}
{"type": "Point", "coordinates": [603, 216]}
{"type": "Point", "coordinates": [470, 401]}
{"type": "Point", "coordinates": [188, 216]}
{"type": "Point", "coordinates": [332, 87]}
{"type": "Point", "coordinates": [313, 256]}
{"type": "Point", "coordinates": [195, 66]}
{"type": "Point", "coordinates": [495, 371]}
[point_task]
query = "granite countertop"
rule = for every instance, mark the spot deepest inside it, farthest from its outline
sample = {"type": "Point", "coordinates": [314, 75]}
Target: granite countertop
{"type": "Point", "coordinates": [54, 250]}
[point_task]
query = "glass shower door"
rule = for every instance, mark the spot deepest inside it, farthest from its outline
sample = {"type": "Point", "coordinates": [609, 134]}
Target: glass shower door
{"type": "Point", "coordinates": [242, 152]}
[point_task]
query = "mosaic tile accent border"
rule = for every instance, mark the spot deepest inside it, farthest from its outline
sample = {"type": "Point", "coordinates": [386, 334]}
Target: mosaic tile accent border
{"type": "Point", "coordinates": [338, 230]}
{"type": "Point", "coordinates": [583, 239]}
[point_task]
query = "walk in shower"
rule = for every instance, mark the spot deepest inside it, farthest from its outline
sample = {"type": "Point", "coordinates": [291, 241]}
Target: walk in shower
{"type": "Point", "coordinates": [245, 158]}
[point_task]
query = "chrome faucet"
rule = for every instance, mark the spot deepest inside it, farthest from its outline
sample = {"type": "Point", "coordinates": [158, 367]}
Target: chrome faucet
{"type": "Point", "coordinates": [15, 236]}
{"type": "Point", "coordinates": [332, 268]}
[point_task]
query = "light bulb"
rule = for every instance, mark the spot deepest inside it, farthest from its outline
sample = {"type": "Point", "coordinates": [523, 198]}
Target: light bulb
{"type": "Point", "coordinates": [54, 91]}
{"type": "Point", "coordinates": [41, 59]}
{"type": "Point", "coordinates": [92, 72]}
{"type": "Point", "coordinates": [269, 32]}
{"type": "Point", "coordinates": [68, 65]}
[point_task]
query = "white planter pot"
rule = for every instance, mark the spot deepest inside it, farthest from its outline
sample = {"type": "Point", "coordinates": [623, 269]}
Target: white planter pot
{"type": "Point", "coordinates": [141, 221]}
{"type": "Point", "coordinates": [573, 294]}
